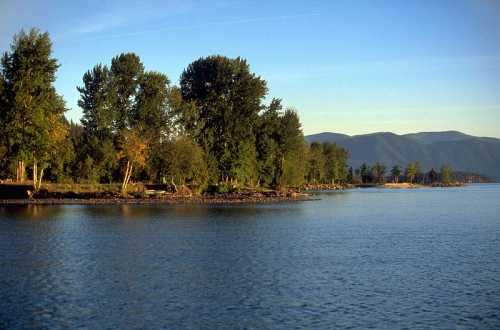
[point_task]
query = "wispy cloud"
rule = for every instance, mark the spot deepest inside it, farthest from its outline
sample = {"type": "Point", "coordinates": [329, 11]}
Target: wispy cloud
{"type": "Point", "coordinates": [282, 18]}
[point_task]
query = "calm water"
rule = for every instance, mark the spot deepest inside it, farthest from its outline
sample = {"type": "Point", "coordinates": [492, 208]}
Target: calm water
{"type": "Point", "coordinates": [426, 258]}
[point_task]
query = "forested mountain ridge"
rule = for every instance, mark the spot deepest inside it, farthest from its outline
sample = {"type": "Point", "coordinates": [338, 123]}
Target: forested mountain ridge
{"type": "Point", "coordinates": [433, 149]}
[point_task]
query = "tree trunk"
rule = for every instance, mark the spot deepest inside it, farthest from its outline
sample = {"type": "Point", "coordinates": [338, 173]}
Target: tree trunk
{"type": "Point", "coordinates": [20, 171]}
{"type": "Point", "coordinates": [126, 177]}
{"type": "Point", "coordinates": [173, 184]}
{"type": "Point", "coordinates": [35, 172]}
{"type": "Point", "coordinates": [38, 184]}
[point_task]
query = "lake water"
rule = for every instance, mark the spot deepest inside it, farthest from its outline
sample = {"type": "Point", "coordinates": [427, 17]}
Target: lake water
{"type": "Point", "coordinates": [366, 258]}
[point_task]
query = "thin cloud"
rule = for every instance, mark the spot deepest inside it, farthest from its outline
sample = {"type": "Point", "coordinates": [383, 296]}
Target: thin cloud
{"type": "Point", "coordinates": [200, 26]}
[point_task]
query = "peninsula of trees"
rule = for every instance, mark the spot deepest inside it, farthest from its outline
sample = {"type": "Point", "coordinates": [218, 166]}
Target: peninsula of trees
{"type": "Point", "coordinates": [212, 132]}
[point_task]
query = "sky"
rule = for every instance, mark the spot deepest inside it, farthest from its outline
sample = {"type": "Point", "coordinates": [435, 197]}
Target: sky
{"type": "Point", "coordinates": [350, 67]}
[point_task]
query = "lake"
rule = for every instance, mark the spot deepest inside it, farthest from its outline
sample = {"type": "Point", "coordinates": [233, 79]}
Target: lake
{"type": "Point", "coordinates": [363, 258]}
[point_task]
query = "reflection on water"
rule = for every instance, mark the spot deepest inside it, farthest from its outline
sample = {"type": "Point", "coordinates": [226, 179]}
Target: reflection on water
{"type": "Point", "coordinates": [427, 258]}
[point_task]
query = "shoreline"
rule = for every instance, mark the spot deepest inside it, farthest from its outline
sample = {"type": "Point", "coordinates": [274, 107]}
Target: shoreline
{"type": "Point", "coordinates": [155, 201]}
{"type": "Point", "coordinates": [217, 199]}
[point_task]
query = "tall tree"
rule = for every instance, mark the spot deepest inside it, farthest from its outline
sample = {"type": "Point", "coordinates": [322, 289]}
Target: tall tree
{"type": "Point", "coordinates": [98, 161]}
{"type": "Point", "coordinates": [225, 98]}
{"type": "Point", "coordinates": [151, 111]}
{"type": "Point", "coordinates": [126, 71]}
{"type": "Point", "coordinates": [291, 166]}
{"type": "Point", "coordinates": [267, 143]}
{"type": "Point", "coordinates": [31, 102]}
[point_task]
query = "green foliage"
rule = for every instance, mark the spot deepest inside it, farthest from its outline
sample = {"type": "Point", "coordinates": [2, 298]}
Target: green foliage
{"type": "Point", "coordinates": [30, 105]}
{"type": "Point", "coordinates": [410, 172]}
{"type": "Point", "coordinates": [181, 161]}
{"type": "Point", "coordinates": [152, 111]}
{"type": "Point", "coordinates": [292, 167]}
{"type": "Point", "coordinates": [316, 165]}
{"type": "Point", "coordinates": [126, 71]}
{"type": "Point", "coordinates": [214, 128]}
{"type": "Point", "coordinates": [224, 99]}
{"type": "Point", "coordinates": [267, 144]}
{"type": "Point", "coordinates": [365, 173]}
{"type": "Point", "coordinates": [378, 173]}
{"type": "Point", "coordinates": [446, 175]}
{"type": "Point", "coordinates": [335, 163]}
{"type": "Point", "coordinates": [396, 173]}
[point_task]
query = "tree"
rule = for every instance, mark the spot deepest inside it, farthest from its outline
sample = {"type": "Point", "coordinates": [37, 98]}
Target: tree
{"type": "Point", "coordinates": [224, 100]}
{"type": "Point", "coordinates": [291, 166]}
{"type": "Point", "coordinates": [98, 160]}
{"type": "Point", "coordinates": [350, 175]}
{"type": "Point", "coordinates": [432, 175]}
{"type": "Point", "coordinates": [151, 110]}
{"type": "Point", "coordinates": [126, 71]}
{"type": "Point", "coordinates": [418, 172]}
{"type": "Point", "coordinates": [182, 162]}
{"type": "Point", "coordinates": [335, 162]}
{"type": "Point", "coordinates": [395, 173]}
{"type": "Point", "coordinates": [446, 175]}
{"type": "Point", "coordinates": [410, 172]}
{"type": "Point", "coordinates": [365, 173]}
{"type": "Point", "coordinates": [31, 103]}
{"type": "Point", "coordinates": [267, 143]}
{"type": "Point", "coordinates": [133, 153]}
{"type": "Point", "coordinates": [378, 172]}
{"type": "Point", "coordinates": [316, 166]}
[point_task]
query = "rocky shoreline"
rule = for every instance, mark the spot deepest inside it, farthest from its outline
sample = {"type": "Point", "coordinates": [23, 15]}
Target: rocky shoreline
{"type": "Point", "coordinates": [71, 198]}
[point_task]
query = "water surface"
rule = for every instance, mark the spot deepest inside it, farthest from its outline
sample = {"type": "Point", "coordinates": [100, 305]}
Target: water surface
{"type": "Point", "coordinates": [423, 258]}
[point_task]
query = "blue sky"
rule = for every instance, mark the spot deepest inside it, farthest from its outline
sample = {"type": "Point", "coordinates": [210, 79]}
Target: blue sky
{"type": "Point", "coordinates": [351, 67]}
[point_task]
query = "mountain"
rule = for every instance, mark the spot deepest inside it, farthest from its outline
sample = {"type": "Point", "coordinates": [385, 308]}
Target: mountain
{"type": "Point", "coordinates": [433, 149]}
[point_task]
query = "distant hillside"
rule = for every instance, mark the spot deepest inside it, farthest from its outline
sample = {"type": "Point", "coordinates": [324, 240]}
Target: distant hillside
{"type": "Point", "coordinates": [433, 149]}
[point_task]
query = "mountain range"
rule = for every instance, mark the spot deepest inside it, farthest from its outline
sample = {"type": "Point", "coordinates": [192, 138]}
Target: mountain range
{"type": "Point", "coordinates": [432, 149]}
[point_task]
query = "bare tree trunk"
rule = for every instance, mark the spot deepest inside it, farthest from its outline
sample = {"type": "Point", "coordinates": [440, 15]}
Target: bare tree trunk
{"type": "Point", "coordinates": [38, 184]}
{"type": "Point", "coordinates": [125, 178]}
{"type": "Point", "coordinates": [35, 172]}
{"type": "Point", "coordinates": [129, 174]}
{"type": "Point", "coordinates": [20, 171]}
{"type": "Point", "coordinates": [173, 184]}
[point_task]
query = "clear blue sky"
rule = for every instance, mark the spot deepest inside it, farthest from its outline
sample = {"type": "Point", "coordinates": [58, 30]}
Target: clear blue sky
{"type": "Point", "coordinates": [347, 66]}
